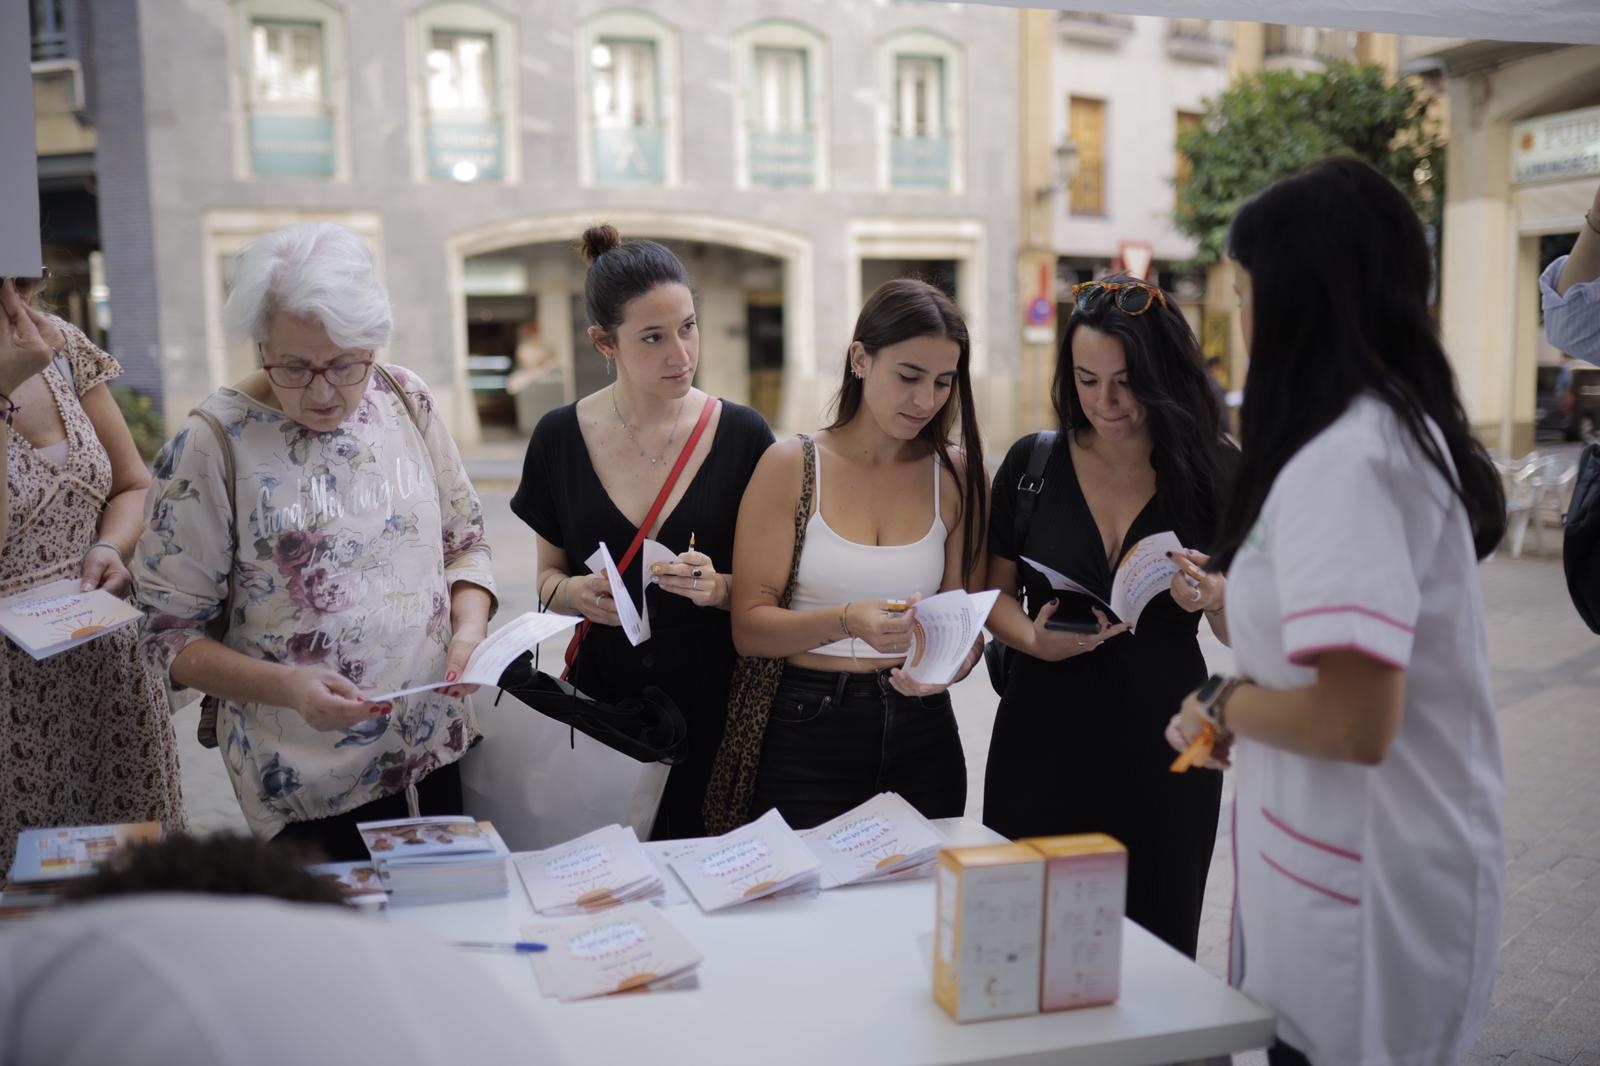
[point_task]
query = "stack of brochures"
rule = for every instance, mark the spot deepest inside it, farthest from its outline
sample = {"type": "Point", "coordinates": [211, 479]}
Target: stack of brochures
{"type": "Point", "coordinates": [763, 859]}
{"type": "Point", "coordinates": [437, 860]}
{"type": "Point", "coordinates": [631, 948]}
{"type": "Point", "coordinates": [48, 860]}
{"type": "Point", "coordinates": [359, 881]}
{"type": "Point", "coordinates": [605, 868]}
{"type": "Point", "coordinates": [884, 839]}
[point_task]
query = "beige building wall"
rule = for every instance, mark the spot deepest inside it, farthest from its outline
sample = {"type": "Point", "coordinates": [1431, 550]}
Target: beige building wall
{"type": "Point", "coordinates": [1489, 298]}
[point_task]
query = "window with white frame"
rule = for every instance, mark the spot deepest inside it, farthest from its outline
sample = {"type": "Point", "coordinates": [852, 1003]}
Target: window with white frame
{"type": "Point", "coordinates": [919, 97]}
{"type": "Point", "coordinates": [626, 94]}
{"type": "Point", "coordinates": [461, 76]}
{"type": "Point", "coordinates": [922, 116]}
{"type": "Point", "coordinates": [781, 108]}
{"type": "Point", "coordinates": [780, 96]}
{"type": "Point", "coordinates": [286, 68]}
{"type": "Point", "coordinates": [463, 65]}
{"type": "Point", "coordinates": [289, 83]}
{"type": "Point", "coordinates": [628, 100]}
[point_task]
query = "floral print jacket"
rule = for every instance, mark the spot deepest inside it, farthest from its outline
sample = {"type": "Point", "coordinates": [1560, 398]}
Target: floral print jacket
{"type": "Point", "coordinates": [348, 545]}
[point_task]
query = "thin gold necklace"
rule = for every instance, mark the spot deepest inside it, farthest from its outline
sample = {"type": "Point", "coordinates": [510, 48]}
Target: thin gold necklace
{"type": "Point", "coordinates": [652, 459]}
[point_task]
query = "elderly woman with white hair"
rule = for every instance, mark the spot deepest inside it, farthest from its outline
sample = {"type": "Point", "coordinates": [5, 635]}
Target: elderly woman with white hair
{"type": "Point", "coordinates": [311, 539]}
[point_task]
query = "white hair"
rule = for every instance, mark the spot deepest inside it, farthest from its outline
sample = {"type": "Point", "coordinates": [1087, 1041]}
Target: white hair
{"type": "Point", "coordinates": [315, 270]}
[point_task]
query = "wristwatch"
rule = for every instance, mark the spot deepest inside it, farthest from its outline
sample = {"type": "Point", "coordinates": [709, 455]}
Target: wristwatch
{"type": "Point", "coordinates": [1213, 699]}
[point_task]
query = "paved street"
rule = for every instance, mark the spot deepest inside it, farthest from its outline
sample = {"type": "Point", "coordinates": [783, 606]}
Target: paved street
{"type": "Point", "coordinates": [1547, 685]}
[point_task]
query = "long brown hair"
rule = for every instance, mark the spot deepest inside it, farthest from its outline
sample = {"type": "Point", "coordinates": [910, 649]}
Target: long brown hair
{"type": "Point", "coordinates": [901, 310]}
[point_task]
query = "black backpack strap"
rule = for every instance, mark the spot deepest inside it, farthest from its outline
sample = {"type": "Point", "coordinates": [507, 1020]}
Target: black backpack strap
{"type": "Point", "coordinates": [1028, 490]}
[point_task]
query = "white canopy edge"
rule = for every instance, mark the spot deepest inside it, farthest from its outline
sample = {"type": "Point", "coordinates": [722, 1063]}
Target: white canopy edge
{"type": "Point", "coordinates": [1534, 21]}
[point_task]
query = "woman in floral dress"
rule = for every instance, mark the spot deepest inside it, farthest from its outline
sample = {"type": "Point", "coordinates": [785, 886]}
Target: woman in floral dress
{"type": "Point", "coordinates": [348, 561]}
{"type": "Point", "coordinates": [86, 735]}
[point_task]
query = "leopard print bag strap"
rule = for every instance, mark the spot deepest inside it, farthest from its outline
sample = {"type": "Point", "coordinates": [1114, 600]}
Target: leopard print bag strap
{"type": "Point", "coordinates": [751, 692]}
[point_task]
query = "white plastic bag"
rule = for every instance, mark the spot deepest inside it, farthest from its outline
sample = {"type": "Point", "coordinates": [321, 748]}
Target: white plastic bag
{"type": "Point", "coordinates": [542, 784]}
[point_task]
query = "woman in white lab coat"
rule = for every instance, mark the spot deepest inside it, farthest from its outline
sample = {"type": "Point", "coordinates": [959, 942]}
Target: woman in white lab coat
{"type": "Point", "coordinates": [1367, 816]}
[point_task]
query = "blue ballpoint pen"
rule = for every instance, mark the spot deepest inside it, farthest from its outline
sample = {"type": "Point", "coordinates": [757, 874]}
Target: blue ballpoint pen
{"type": "Point", "coordinates": [521, 947]}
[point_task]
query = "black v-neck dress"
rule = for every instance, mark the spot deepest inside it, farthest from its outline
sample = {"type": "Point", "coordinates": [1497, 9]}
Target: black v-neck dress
{"type": "Point", "coordinates": [1079, 744]}
{"type": "Point", "coordinates": [690, 652]}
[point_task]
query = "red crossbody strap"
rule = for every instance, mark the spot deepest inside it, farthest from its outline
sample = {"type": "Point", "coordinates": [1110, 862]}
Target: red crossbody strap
{"type": "Point", "coordinates": [672, 479]}
{"type": "Point", "coordinates": [649, 519]}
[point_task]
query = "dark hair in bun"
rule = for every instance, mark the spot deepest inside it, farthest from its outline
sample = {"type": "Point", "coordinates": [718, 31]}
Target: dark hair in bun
{"type": "Point", "coordinates": [620, 272]}
{"type": "Point", "coordinates": [597, 241]}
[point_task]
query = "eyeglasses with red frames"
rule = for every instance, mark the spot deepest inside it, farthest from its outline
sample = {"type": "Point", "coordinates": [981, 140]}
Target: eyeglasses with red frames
{"type": "Point", "coordinates": [1130, 297]}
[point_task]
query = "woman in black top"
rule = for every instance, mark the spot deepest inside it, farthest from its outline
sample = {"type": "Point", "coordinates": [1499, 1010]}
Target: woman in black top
{"type": "Point", "coordinates": [593, 469]}
{"type": "Point", "coordinates": [1078, 744]}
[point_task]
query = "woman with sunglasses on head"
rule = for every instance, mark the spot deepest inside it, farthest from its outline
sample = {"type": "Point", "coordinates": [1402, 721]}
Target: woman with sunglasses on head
{"type": "Point", "coordinates": [1140, 452]}
{"type": "Point", "coordinates": [594, 473]}
{"type": "Point", "coordinates": [1369, 789]}
{"type": "Point", "coordinates": [87, 733]}
{"type": "Point", "coordinates": [311, 539]}
{"type": "Point", "coordinates": [897, 513]}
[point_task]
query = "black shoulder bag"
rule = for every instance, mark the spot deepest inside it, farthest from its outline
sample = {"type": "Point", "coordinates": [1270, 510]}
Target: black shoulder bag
{"type": "Point", "coordinates": [997, 655]}
{"type": "Point", "coordinates": [1580, 544]}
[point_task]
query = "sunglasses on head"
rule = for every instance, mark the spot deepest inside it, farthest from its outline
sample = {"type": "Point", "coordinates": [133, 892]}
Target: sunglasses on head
{"type": "Point", "coordinates": [1129, 297]}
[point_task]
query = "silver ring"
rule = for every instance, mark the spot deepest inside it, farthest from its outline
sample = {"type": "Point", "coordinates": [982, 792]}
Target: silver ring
{"type": "Point", "coordinates": [1196, 596]}
{"type": "Point", "coordinates": [696, 584]}
{"type": "Point", "coordinates": [1081, 644]}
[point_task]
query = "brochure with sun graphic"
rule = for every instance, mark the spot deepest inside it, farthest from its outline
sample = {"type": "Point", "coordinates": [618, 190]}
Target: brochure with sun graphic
{"type": "Point", "coordinates": [48, 619]}
{"type": "Point", "coordinates": [764, 858]}
{"type": "Point", "coordinates": [631, 948]}
{"type": "Point", "coordinates": [597, 871]}
{"type": "Point", "coordinates": [883, 838]}
{"type": "Point", "coordinates": [943, 631]}
{"type": "Point", "coordinates": [1144, 572]}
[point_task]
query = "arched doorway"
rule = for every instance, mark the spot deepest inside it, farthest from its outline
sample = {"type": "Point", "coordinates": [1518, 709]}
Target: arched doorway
{"type": "Point", "coordinates": [518, 330]}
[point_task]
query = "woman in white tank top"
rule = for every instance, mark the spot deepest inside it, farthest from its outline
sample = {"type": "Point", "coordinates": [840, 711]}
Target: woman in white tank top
{"type": "Point", "coordinates": [895, 517]}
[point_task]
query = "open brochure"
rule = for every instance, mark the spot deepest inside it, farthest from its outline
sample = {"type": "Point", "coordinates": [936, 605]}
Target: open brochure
{"type": "Point", "coordinates": [884, 838]}
{"type": "Point", "coordinates": [48, 619]}
{"type": "Point", "coordinates": [605, 868]}
{"type": "Point", "coordinates": [763, 858]}
{"type": "Point", "coordinates": [1143, 573]}
{"type": "Point", "coordinates": [943, 630]}
{"type": "Point", "coordinates": [498, 651]}
{"type": "Point", "coordinates": [630, 949]}
{"type": "Point", "coordinates": [635, 620]}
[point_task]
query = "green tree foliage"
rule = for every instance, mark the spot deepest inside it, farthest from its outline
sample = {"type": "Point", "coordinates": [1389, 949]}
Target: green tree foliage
{"type": "Point", "coordinates": [1279, 121]}
{"type": "Point", "coordinates": [143, 422]}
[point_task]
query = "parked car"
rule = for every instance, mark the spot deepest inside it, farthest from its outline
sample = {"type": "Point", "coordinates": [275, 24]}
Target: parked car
{"type": "Point", "coordinates": [1567, 403]}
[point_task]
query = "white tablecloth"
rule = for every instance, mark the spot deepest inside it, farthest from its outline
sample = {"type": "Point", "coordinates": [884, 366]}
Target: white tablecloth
{"type": "Point", "coordinates": [845, 978]}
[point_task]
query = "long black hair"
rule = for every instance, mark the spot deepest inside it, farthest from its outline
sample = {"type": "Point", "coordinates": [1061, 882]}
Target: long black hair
{"type": "Point", "coordinates": [1167, 375]}
{"type": "Point", "coordinates": [1339, 269]}
{"type": "Point", "coordinates": [901, 310]}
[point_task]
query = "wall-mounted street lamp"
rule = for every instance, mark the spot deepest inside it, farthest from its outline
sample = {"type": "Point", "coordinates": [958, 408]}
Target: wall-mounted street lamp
{"type": "Point", "coordinates": [1066, 167]}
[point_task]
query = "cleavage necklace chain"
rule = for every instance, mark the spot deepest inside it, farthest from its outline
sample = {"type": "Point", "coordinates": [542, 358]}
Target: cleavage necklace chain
{"type": "Point", "coordinates": [653, 460]}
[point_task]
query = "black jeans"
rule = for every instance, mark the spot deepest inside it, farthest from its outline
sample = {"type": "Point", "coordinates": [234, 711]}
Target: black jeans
{"type": "Point", "coordinates": [437, 794]}
{"type": "Point", "coordinates": [835, 740]}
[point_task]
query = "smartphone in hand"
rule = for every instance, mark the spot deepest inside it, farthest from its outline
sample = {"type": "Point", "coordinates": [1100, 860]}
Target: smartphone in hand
{"type": "Point", "coordinates": [1073, 615]}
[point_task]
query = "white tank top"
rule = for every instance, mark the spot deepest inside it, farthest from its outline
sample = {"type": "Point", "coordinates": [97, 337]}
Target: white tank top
{"type": "Point", "coordinates": [834, 571]}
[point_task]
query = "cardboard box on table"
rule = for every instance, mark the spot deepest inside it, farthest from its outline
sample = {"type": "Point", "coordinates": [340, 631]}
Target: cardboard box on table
{"type": "Point", "coordinates": [1085, 897]}
{"type": "Point", "coordinates": [987, 934]}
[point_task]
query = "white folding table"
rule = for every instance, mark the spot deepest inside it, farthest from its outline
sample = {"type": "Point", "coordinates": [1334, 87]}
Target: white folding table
{"type": "Point", "coordinates": [845, 978]}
